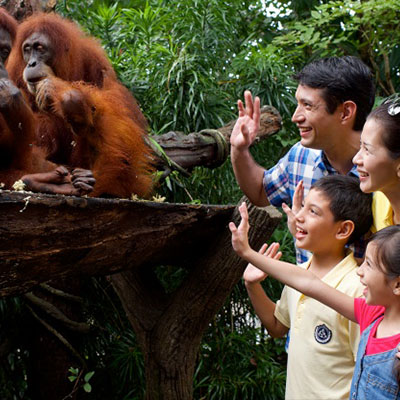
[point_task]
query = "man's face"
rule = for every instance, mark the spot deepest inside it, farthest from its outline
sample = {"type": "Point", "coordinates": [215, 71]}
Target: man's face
{"type": "Point", "coordinates": [317, 127]}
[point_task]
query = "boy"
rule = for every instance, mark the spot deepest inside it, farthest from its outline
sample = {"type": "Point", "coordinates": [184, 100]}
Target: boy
{"type": "Point", "coordinates": [323, 344]}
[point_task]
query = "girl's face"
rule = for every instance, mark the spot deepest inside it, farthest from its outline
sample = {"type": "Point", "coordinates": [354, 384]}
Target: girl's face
{"type": "Point", "coordinates": [378, 288]}
{"type": "Point", "coordinates": [377, 170]}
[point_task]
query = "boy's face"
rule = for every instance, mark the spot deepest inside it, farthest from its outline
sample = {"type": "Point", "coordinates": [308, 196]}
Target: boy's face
{"type": "Point", "coordinates": [318, 129]}
{"type": "Point", "coordinates": [315, 224]}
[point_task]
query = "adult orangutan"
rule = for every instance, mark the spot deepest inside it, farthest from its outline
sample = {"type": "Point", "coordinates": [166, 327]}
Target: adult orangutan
{"type": "Point", "coordinates": [19, 158]}
{"type": "Point", "coordinates": [86, 117]}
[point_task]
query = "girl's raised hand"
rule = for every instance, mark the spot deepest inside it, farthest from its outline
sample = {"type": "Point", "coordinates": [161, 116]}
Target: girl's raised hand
{"type": "Point", "coordinates": [254, 275]}
{"type": "Point", "coordinates": [240, 240]}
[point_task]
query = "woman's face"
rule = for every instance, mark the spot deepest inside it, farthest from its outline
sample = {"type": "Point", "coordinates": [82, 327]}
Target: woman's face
{"type": "Point", "coordinates": [377, 170]}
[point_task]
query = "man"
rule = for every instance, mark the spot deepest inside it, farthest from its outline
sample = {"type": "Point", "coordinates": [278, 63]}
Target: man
{"type": "Point", "coordinates": [334, 97]}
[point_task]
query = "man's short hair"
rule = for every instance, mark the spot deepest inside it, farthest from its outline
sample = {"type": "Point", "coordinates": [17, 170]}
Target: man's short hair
{"type": "Point", "coordinates": [341, 79]}
{"type": "Point", "coordinates": [347, 202]}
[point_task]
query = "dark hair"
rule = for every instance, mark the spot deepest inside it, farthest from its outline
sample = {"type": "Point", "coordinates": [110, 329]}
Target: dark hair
{"type": "Point", "coordinates": [341, 79]}
{"type": "Point", "coordinates": [347, 202]}
{"type": "Point", "coordinates": [387, 243]}
{"type": "Point", "coordinates": [391, 128]}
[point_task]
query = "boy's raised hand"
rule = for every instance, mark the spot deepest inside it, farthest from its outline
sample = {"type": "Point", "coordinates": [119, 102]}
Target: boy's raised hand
{"type": "Point", "coordinates": [297, 201]}
{"type": "Point", "coordinates": [247, 125]}
{"type": "Point", "coordinates": [240, 240]}
{"type": "Point", "coordinates": [254, 275]}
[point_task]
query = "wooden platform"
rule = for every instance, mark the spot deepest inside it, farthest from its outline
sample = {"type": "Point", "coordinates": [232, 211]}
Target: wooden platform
{"type": "Point", "coordinates": [43, 237]}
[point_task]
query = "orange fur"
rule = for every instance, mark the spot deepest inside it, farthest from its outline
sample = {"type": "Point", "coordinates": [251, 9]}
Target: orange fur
{"type": "Point", "coordinates": [18, 155]}
{"type": "Point", "coordinates": [108, 141]}
{"type": "Point", "coordinates": [107, 132]}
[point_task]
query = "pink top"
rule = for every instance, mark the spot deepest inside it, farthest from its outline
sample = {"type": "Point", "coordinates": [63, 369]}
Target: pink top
{"type": "Point", "coordinates": [365, 315]}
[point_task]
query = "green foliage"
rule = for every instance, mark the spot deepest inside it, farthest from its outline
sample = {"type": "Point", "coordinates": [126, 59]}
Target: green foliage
{"type": "Point", "coordinates": [76, 377]}
{"type": "Point", "coordinates": [368, 29]}
{"type": "Point", "coordinates": [237, 365]}
{"type": "Point", "coordinates": [269, 76]}
{"type": "Point", "coordinates": [128, 366]}
{"type": "Point", "coordinates": [111, 349]}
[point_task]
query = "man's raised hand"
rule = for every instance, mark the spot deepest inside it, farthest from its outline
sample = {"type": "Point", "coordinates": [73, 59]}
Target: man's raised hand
{"type": "Point", "coordinates": [247, 125]}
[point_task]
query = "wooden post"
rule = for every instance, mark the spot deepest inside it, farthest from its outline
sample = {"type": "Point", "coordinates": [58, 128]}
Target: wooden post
{"type": "Point", "coordinates": [170, 327]}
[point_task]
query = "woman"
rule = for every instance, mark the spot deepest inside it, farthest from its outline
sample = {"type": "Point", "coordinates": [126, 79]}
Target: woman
{"type": "Point", "coordinates": [378, 162]}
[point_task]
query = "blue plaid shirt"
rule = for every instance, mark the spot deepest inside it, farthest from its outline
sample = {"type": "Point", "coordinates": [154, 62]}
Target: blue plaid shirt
{"type": "Point", "coordinates": [300, 163]}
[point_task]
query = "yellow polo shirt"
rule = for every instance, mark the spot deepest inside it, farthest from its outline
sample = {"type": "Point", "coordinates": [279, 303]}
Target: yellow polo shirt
{"type": "Point", "coordinates": [323, 344]}
{"type": "Point", "coordinates": [382, 212]}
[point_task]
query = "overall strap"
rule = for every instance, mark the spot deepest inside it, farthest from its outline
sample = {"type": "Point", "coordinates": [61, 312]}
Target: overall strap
{"type": "Point", "coordinates": [365, 336]}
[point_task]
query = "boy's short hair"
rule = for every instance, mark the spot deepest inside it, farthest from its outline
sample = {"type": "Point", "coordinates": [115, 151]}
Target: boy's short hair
{"type": "Point", "coordinates": [347, 202]}
{"type": "Point", "coordinates": [341, 79]}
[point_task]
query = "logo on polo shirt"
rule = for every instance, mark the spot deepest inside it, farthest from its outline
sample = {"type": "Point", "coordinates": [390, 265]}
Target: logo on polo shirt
{"type": "Point", "coordinates": [322, 334]}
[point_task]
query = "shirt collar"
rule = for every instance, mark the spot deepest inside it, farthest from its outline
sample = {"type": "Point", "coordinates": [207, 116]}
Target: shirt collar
{"type": "Point", "coordinates": [322, 162]}
{"type": "Point", "coordinates": [339, 271]}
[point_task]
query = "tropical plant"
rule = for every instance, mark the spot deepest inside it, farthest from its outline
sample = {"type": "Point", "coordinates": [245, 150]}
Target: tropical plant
{"type": "Point", "coordinates": [368, 29]}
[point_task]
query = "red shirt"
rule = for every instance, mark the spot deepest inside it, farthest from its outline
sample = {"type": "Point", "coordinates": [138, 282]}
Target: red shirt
{"type": "Point", "coordinates": [365, 315]}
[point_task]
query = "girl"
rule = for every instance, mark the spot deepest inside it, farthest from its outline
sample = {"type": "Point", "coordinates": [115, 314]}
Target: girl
{"type": "Point", "coordinates": [377, 371]}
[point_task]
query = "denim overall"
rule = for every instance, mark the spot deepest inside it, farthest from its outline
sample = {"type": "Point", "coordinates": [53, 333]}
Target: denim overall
{"type": "Point", "coordinates": [373, 377]}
